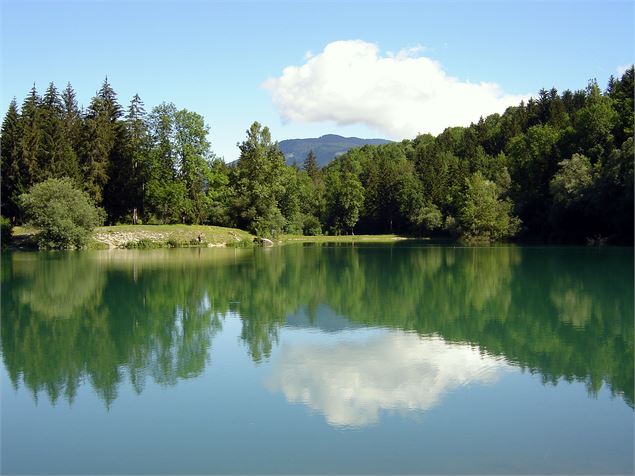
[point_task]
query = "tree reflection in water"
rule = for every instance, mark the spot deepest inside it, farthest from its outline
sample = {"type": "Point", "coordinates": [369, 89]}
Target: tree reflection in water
{"type": "Point", "coordinates": [107, 317]}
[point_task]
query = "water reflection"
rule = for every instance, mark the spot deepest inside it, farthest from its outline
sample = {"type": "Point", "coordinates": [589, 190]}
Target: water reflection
{"type": "Point", "coordinates": [125, 316]}
{"type": "Point", "coordinates": [351, 381]}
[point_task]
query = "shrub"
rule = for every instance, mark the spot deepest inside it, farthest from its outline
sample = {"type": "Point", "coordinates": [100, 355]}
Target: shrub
{"type": "Point", "coordinates": [174, 242]}
{"type": "Point", "coordinates": [142, 244]}
{"type": "Point", "coordinates": [65, 215]}
{"type": "Point", "coordinates": [6, 231]}
{"type": "Point", "coordinates": [312, 226]}
{"type": "Point", "coordinates": [240, 244]}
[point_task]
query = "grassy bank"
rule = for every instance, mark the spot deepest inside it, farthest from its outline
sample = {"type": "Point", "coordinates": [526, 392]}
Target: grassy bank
{"type": "Point", "coordinates": [149, 236]}
{"type": "Point", "coordinates": [179, 236]}
{"type": "Point", "coordinates": [341, 239]}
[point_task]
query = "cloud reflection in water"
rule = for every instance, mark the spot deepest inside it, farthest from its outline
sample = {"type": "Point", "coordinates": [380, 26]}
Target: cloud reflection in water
{"type": "Point", "coordinates": [351, 381]}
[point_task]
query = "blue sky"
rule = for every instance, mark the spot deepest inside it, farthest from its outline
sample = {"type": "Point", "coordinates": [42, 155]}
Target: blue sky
{"type": "Point", "coordinates": [215, 57]}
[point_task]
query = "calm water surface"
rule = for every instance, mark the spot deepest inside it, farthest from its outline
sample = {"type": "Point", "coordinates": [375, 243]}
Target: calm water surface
{"type": "Point", "coordinates": [318, 359]}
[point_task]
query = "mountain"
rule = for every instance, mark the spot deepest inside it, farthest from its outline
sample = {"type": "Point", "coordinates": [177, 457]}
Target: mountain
{"type": "Point", "coordinates": [325, 148]}
{"type": "Point", "coordinates": [323, 318]}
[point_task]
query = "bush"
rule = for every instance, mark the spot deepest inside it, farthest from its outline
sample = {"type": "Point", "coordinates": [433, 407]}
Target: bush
{"type": "Point", "coordinates": [174, 242]}
{"type": "Point", "coordinates": [312, 226]}
{"type": "Point", "coordinates": [240, 244]}
{"type": "Point", "coordinates": [65, 215]}
{"type": "Point", "coordinates": [6, 231]}
{"type": "Point", "coordinates": [142, 244]}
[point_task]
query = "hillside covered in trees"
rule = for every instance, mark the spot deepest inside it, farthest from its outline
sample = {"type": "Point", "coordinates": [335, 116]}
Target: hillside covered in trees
{"type": "Point", "coordinates": [557, 168]}
{"type": "Point", "coordinates": [325, 148]}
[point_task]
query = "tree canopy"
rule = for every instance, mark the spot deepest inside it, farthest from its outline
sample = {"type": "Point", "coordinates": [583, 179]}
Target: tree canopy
{"type": "Point", "coordinates": [558, 167]}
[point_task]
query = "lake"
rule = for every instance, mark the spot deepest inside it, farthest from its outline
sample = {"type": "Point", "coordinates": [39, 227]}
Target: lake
{"type": "Point", "coordinates": [403, 358]}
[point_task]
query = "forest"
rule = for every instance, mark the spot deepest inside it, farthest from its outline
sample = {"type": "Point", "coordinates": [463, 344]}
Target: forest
{"type": "Point", "coordinates": [558, 168]}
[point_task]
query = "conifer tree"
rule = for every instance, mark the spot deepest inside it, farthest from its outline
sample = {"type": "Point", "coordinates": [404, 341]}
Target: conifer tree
{"type": "Point", "coordinates": [31, 145]}
{"type": "Point", "coordinates": [100, 138]}
{"type": "Point", "coordinates": [72, 130]}
{"type": "Point", "coordinates": [311, 166]}
{"type": "Point", "coordinates": [137, 149]}
{"type": "Point", "coordinates": [58, 157]}
{"type": "Point", "coordinates": [12, 178]}
{"type": "Point", "coordinates": [123, 197]}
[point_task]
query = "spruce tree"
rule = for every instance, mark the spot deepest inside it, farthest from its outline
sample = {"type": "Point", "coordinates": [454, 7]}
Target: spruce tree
{"type": "Point", "coordinates": [124, 193]}
{"type": "Point", "coordinates": [311, 166]}
{"type": "Point", "coordinates": [72, 129]}
{"type": "Point", "coordinates": [100, 140]}
{"type": "Point", "coordinates": [12, 179]}
{"type": "Point", "coordinates": [30, 149]}
{"type": "Point", "coordinates": [137, 148]}
{"type": "Point", "coordinates": [58, 157]}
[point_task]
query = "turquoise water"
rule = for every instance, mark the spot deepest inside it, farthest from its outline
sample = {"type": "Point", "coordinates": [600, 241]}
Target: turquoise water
{"type": "Point", "coordinates": [407, 358]}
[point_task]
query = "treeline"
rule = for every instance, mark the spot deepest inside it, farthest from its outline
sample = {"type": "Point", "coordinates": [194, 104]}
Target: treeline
{"type": "Point", "coordinates": [559, 167]}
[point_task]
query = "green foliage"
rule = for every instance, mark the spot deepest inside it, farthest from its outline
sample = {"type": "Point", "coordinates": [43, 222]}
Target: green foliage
{"type": "Point", "coordinates": [571, 184]}
{"type": "Point", "coordinates": [311, 166]}
{"type": "Point", "coordinates": [101, 141]}
{"type": "Point", "coordinates": [13, 180]}
{"type": "Point", "coordinates": [165, 201]}
{"type": "Point", "coordinates": [129, 167]}
{"type": "Point", "coordinates": [595, 122]}
{"type": "Point", "coordinates": [159, 168]}
{"type": "Point", "coordinates": [183, 181]}
{"type": "Point", "coordinates": [345, 200]}
{"type": "Point", "coordinates": [429, 217]}
{"type": "Point", "coordinates": [311, 226]}
{"type": "Point", "coordinates": [65, 214]}
{"type": "Point", "coordinates": [142, 244]}
{"type": "Point", "coordinates": [175, 242]}
{"type": "Point", "coordinates": [259, 186]}
{"type": "Point", "coordinates": [482, 215]}
{"type": "Point", "coordinates": [390, 189]}
{"type": "Point", "coordinates": [6, 231]}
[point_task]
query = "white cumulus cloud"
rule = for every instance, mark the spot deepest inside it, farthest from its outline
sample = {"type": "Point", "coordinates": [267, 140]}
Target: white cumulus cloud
{"type": "Point", "coordinates": [350, 382]}
{"type": "Point", "coordinates": [399, 94]}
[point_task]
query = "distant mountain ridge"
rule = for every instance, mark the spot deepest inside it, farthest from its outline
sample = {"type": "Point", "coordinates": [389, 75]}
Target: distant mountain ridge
{"type": "Point", "coordinates": [325, 148]}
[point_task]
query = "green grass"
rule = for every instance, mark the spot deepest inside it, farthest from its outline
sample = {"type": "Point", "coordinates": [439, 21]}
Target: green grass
{"type": "Point", "coordinates": [149, 236]}
{"type": "Point", "coordinates": [341, 239]}
{"type": "Point", "coordinates": [173, 236]}
{"type": "Point", "coordinates": [179, 236]}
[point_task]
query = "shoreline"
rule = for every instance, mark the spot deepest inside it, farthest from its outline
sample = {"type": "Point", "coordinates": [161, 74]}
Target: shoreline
{"type": "Point", "coordinates": [206, 236]}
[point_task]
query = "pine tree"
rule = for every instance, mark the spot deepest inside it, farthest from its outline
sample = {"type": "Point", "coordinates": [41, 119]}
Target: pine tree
{"type": "Point", "coordinates": [311, 166]}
